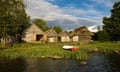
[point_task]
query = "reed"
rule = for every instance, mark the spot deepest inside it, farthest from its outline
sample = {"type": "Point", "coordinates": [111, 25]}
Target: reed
{"type": "Point", "coordinates": [31, 50]}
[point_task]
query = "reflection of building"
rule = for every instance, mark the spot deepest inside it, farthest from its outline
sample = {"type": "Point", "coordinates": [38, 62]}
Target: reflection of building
{"type": "Point", "coordinates": [32, 34]}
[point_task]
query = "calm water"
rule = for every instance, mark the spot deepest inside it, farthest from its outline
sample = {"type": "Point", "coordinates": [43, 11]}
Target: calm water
{"type": "Point", "coordinates": [96, 63]}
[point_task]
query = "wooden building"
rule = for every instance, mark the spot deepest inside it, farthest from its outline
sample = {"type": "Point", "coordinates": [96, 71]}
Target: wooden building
{"type": "Point", "coordinates": [75, 38]}
{"type": "Point", "coordinates": [51, 35]}
{"type": "Point", "coordinates": [64, 37]}
{"type": "Point", "coordinates": [33, 34]}
{"type": "Point", "coordinates": [84, 34]}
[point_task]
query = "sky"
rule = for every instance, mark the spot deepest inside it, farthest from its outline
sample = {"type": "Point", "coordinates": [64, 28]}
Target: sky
{"type": "Point", "coordinates": [70, 14]}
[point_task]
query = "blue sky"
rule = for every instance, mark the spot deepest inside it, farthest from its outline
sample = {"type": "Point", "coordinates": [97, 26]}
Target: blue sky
{"type": "Point", "coordinates": [70, 14]}
{"type": "Point", "coordinates": [102, 7]}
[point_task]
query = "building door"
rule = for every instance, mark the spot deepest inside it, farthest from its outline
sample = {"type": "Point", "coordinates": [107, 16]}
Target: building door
{"type": "Point", "coordinates": [38, 37]}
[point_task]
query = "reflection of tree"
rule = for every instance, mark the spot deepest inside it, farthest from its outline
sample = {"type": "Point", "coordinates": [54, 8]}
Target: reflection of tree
{"type": "Point", "coordinates": [114, 61]}
{"type": "Point", "coordinates": [97, 63]}
{"type": "Point", "coordinates": [12, 65]}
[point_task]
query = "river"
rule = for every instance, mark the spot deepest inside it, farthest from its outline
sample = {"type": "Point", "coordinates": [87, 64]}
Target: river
{"type": "Point", "coordinates": [96, 63]}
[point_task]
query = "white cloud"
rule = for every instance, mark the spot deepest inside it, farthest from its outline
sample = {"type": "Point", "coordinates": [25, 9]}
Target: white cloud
{"type": "Point", "coordinates": [108, 3]}
{"type": "Point", "coordinates": [89, 13]}
{"type": "Point", "coordinates": [74, 11]}
{"type": "Point", "coordinates": [54, 16]}
{"type": "Point", "coordinates": [41, 8]}
{"type": "Point", "coordinates": [94, 28]}
{"type": "Point", "coordinates": [46, 10]}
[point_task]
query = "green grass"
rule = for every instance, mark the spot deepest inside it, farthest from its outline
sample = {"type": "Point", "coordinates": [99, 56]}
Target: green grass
{"type": "Point", "coordinates": [31, 50]}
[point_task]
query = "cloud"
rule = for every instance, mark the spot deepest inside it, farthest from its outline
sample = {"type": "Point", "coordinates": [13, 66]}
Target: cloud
{"type": "Point", "coordinates": [41, 8]}
{"type": "Point", "coordinates": [67, 24]}
{"type": "Point", "coordinates": [108, 3]}
{"type": "Point", "coordinates": [94, 28]}
{"type": "Point", "coordinates": [90, 14]}
{"type": "Point", "coordinates": [68, 17]}
{"type": "Point", "coordinates": [44, 9]}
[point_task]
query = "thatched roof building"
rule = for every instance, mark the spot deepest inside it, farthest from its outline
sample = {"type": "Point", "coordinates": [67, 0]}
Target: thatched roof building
{"type": "Point", "coordinates": [64, 37]}
{"type": "Point", "coordinates": [83, 33]}
{"type": "Point", "coordinates": [51, 35]}
{"type": "Point", "coordinates": [32, 34]}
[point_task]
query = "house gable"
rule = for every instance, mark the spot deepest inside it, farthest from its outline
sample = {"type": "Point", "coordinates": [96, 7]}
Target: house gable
{"type": "Point", "coordinates": [34, 29]}
{"type": "Point", "coordinates": [32, 34]}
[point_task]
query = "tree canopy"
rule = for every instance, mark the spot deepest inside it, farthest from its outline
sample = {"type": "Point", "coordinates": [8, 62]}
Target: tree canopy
{"type": "Point", "coordinates": [112, 24]}
{"type": "Point", "coordinates": [101, 36]}
{"type": "Point", "coordinates": [58, 29]}
{"type": "Point", "coordinates": [41, 23]}
{"type": "Point", "coordinates": [13, 18]}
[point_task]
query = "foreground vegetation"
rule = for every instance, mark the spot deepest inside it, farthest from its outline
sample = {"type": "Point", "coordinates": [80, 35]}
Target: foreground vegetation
{"type": "Point", "coordinates": [31, 50]}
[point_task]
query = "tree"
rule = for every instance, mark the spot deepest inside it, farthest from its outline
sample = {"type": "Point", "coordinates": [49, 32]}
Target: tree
{"type": "Point", "coordinates": [41, 23]}
{"type": "Point", "coordinates": [101, 36]}
{"type": "Point", "coordinates": [58, 29]}
{"type": "Point", "coordinates": [13, 19]}
{"type": "Point", "coordinates": [112, 24]}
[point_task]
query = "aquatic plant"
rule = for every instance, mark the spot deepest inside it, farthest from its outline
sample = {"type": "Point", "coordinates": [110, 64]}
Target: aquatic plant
{"type": "Point", "coordinates": [31, 50]}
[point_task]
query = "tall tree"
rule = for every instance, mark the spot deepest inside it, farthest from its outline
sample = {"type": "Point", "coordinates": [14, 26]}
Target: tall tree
{"type": "Point", "coordinates": [41, 23]}
{"type": "Point", "coordinates": [13, 18]}
{"type": "Point", "coordinates": [58, 29]}
{"type": "Point", "coordinates": [112, 24]}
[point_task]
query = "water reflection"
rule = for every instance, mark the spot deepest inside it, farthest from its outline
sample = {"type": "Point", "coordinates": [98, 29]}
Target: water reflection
{"type": "Point", "coordinates": [50, 65]}
{"type": "Point", "coordinates": [96, 63]}
{"type": "Point", "coordinates": [14, 65]}
{"type": "Point", "coordinates": [114, 62]}
{"type": "Point", "coordinates": [38, 65]}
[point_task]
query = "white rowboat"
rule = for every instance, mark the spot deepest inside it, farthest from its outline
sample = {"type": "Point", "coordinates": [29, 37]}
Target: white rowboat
{"type": "Point", "coordinates": [68, 47]}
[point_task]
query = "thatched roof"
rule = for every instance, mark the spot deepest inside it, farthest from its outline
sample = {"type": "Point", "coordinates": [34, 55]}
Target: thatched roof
{"type": "Point", "coordinates": [82, 31]}
{"type": "Point", "coordinates": [64, 34]}
{"type": "Point", "coordinates": [51, 33]}
{"type": "Point", "coordinates": [33, 28]}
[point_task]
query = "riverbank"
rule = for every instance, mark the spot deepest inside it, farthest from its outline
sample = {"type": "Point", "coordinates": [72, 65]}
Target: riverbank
{"type": "Point", "coordinates": [43, 50]}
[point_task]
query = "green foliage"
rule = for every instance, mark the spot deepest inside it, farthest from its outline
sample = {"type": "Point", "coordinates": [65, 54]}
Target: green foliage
{"type": "Point", "coordinates": [58, 29]}
{"type": "Point", "coordinates": [103, 36]}
{"type": "Point", "coordinates": [41, 23]}
{"type": "Point", "coordinates": [30, 50]}
{"type": "Point", "coordinates": [112, 24]}
{"type": "Point", "coordinates": [13, 19]}
{"type": "Point", "coordinates": [95, 36]}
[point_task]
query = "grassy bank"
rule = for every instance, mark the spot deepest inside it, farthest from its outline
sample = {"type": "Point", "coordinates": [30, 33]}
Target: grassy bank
{"type": "Point", "coordinates": [31, 50]}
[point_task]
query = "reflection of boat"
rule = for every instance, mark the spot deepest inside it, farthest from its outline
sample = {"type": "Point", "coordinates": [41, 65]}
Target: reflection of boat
{"type": "Point", "coordinates": [68, 47]}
